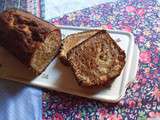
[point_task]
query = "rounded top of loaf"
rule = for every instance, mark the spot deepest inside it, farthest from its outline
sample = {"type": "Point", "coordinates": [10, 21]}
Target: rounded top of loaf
{"type": "Point", "coordinates": [29, 30]}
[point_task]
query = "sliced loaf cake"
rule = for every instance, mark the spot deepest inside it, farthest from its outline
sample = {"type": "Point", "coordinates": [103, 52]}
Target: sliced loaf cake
{"type": "Point", "coordinates": [33, 41]}
{"type": "Point", "coordinates": [96, 61]}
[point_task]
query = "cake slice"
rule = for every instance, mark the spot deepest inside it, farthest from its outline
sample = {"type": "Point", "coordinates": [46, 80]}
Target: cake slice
{"type": "Point", "coordinates": [33, 41]}
{"type": "Point", "coordinates": [73, 40]}
{"type": "Point", "coordinates": [96, 61]}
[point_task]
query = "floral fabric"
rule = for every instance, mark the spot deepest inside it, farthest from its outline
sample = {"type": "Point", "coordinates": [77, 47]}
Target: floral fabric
{"type": "Point", "coordinates": [142, 99]}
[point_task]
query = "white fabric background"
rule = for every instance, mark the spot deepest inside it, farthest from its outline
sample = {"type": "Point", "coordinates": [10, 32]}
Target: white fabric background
{"type": "Point", "coordinates": [56, 9]}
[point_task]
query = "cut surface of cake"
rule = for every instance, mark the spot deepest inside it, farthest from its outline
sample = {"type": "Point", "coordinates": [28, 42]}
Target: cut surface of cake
{"type": "Point", "coordinates": [96, 61]}
{"type": "Point", "coordinates": [33, 41]}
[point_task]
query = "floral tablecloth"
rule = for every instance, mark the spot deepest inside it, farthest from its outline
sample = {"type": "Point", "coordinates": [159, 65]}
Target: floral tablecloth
{"type": "Point", "coordinates": [142, 99]}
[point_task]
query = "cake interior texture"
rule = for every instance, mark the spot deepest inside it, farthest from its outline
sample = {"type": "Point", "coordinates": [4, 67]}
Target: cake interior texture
{"type": "Point", "coordinates": [96, 61]}
{"type": "Point", "coordinates": [33, 41]}
{"type": "Point", "coordinates": [44, 54]}
{"type": "Point", "coordinates": [74, 40]}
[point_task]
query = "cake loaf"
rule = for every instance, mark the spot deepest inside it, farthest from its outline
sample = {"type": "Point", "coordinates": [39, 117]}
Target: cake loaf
{"type": "Point", "coordinates": [73, 40]}
{"type": "Point", "coordinates": [97, 61]}
{"type": "Point", "coordinates": [33, 41]}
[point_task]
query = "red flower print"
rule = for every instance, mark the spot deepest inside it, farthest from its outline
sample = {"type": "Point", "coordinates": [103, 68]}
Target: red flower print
{"type": "Point", "coordinates": [102, 113]}
{"type": "Point", "coordinates": [55, 22]}
{"type": "Point", "coordinates": [140, 11]}
{"type": "Point", "coordinates": [78, 116]}
{"type": "Point", "coordinates": [151, 64]}
{"type": "Point", "coordinates": [115, 117]}
{"type": "Point", "coordinates": [126, 28]}
{"type": "Point", "coordinates": [131, 103]}
{"type": "Point", "coordinates": [154, 116]}
{"type": "Point", "coordinates": [145, 56]}
{"type": "Point", "coordinates": [147, 70]}
{"type": "Point", "coordinates": [156, 60]}
{"type": "Point", "coordinates": [108, 26]}
{"type": "Point", "coordinates": [139, 77]}
{"type": "Point", "coordinates": [57, 116]}
{"type": "Point", "coordinates": [136, 87]}
{"type": "Point", "coordinates": [156, 50]}
{"type": "Point", "coordinates": [144, 80]}
{"type": "Point", "coordinates": [130, 9]}
{"type": "Point", "coordinates": [156, 93]}
{"type": "Point", "coordinates": [141, 38]}
{"type": "Point", "coordinates": [121, 103]}
{"type": "Point", "coordinates": [139, 104]}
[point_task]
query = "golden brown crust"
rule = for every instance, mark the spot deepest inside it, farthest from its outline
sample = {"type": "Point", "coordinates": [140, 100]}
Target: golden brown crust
{"type": "Point", "coordinates": [22, 34]}
{"type": "Point", "coordinates": [96, 61]}
{"type": "Point", "coordinates": [73, 40]}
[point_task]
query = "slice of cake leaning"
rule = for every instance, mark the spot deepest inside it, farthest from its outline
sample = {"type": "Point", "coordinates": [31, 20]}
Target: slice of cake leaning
{"type": "Point", "coordinates": [73, 40]}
